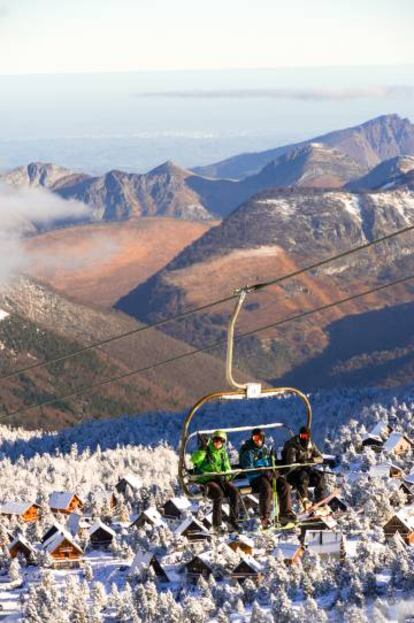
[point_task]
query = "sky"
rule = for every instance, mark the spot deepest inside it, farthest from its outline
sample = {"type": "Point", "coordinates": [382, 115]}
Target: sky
{"type": "Point", "coordinates": [59, 36]}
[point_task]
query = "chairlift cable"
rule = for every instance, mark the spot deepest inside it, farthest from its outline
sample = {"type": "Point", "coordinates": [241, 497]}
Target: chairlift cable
{"type": "Point", "coordinates": [278, 323]}
{"type": "Point", "coordinates": [185, 314]}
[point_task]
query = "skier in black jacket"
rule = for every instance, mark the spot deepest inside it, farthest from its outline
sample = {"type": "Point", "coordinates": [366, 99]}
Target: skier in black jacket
{"type": "Point", "coordinates": [301, 449]}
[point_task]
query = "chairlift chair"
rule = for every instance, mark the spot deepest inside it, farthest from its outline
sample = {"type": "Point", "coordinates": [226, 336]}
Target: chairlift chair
{"type": "Point", "coordinates": [240, 391]}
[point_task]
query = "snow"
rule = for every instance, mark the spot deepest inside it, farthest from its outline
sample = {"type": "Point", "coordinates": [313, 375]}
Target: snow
{"type": "Point", "coordinates": [57, 539]}
{"type": "Point", "coordinates": [15, 508]}
{"type": "Point", "coordinates": [3, 314]}
{"type": "Point", "coordinates": [60, 500]}
{"type": "Point", "coordinates": [100, 525]}
{"type": "Point", "coordinates": [393, 440]}
{"type": "Point", "coordinates": [352, 205]}
{"type": "Point", "coordinates": [181, 503]}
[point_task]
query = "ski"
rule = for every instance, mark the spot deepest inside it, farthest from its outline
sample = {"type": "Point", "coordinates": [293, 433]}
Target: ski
{"type": "Point", "coordinates": [310, 511]}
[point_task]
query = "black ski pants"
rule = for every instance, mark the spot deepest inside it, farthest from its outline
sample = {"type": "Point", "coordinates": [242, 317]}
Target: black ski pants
{"type": "Point", "coordinates": [217, 490]}
{"type": "Point", "coordinates": [301, 479]}
{"type": "Point", "coordinates": [263, 485]}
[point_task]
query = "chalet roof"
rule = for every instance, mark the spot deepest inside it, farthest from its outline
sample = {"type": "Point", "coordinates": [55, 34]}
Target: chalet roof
{"type": "Point", "coordinates": [141, 562]}
{"type": "Point", "coordinates": [393, 440]}
{"type": "Point", "coordinates": [153, 515]}
{"type": "Point", "coordinates": [60, 500]}
{"type": "Point", "coordinates": [16, 508]}
{"type": "Point", "coordinates": [251, 562]}
{"type": "Point", "coordinates": [205, 557]}
{"type": "Point", "coordinates": [409, 479]}
{"type": "Point", "coordinates": [61, 530]}
{"type": "Point", "coordinates": [57, 539]}
{"type": "Point", "coordinates": [380, 428]}
{"type": "Point", "coordinates": [187, 523]}
{"type": "Point", "coordinates": [382, 469]}
{"type": "Point", "coordinates": [20, 539]}
{"type": "Point", "coordinates": [242, 538]}
{"type": "Point", "coordinates": [99, 525]}
{"type": "Point", "coordinates": [182, 503]}
{"type": "Point", "coordinates": [287, 549]}
{"type": "Point", "coordinates": [132, 480]}
{"type": "Point", "coordinates": [406, 517]}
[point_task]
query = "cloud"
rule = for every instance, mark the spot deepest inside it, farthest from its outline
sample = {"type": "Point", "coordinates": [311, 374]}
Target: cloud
{"type": "Point", "coordinates": [23, 211]}
{"type": "Point", "coordinates": [296, 94]}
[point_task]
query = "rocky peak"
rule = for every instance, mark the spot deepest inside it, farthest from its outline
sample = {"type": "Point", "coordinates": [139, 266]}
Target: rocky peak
{"type": "Point", "coordinates": [35, 174]}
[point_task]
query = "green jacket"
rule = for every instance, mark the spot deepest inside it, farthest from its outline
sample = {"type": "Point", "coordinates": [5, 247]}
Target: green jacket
{"type": "Point", "coordinates": [210, 460]}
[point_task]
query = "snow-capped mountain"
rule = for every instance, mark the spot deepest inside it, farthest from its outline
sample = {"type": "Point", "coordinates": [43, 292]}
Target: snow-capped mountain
{"type": "Point", "coordinates": [272, 234]}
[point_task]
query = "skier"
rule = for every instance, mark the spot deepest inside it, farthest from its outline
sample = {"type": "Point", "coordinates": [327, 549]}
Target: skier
{"type": "Point", "coordinates": [212, 457]}
{"type": "Point", "coordinates": [301, 449]}
{"type": "Point", "coordinates": [255, 453]}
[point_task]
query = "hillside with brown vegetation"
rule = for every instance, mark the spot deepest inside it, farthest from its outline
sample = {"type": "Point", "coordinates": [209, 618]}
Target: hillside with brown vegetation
{"type": "Point", "coordinates": [98, 263]}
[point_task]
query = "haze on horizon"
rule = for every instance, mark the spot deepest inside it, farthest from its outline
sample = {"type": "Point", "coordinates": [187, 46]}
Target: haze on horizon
{"type": "Point", "coordinates": [45, 36]}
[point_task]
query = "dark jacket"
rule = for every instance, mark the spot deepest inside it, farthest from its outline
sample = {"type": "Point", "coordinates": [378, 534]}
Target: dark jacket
{"type": "Point", "coordinates": [294, 452]}
{"type": "Point", "coordinates": [251, 455]}
{"type": "Point", "coordinates": [210, 459]}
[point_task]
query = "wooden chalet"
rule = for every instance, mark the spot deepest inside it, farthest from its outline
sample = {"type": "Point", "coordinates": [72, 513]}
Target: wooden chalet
{"type": "Point", "coordinates": [320, 523]}
{"type": "Point", "coordinates": [143, 561]}
{"type": "Point", "coordinates": [325, 543]}
{"type": "Point", "coordinates": [243, 544]}
{"type": "Point", "coordinates": [290, 552]}
{"type": "Point", "coordinates": [403, 523]}
{"type": "Point", "coordinates": [176, 508]}
{"type": "Point", "coordinates": [375, 437]}
{"type": "Point", "coordinates": [132, 481]}
{"type": "Point", "coordinates": [65, 502]}
{"type": "Point", "coordinates": [149, 517]}
{"type": "Point", "coordinates": [386, 469]}
{"type": "Point", "coordinates": [26, 511]}
{"type": "Point", "coordinates": [100, 535]}
{"type": "Point", "coordinates": [398, 443]}
{"type": "Point", "coordinates": [208, 519]}
{"type": "Point", "coordinates": [21, 547]}
{"type": "Point", "coordinates": [198, 566]}
{"type": "Point", "coordinates": [64, 550]}
{"type": "Point", "coordinates": [192, 529]}
{"type": "Point", "coordinates": [248, 567]}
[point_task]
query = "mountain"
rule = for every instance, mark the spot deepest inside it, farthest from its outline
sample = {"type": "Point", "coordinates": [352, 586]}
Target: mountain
{"type": "Point", "coordinates": [312, 165]}
{"type": "Point", "coordinates": [390, 173]}
{"type": "Point", "coordinates": [41, 174]}
{"type": "Point", "coordinates": [274, 233]}
{"type": "Point", "coordinates": [369, 143]}
{"type": "Point", "coordinates": [119, 196]}
{"type": "Point", "coordinates": [37, 324]}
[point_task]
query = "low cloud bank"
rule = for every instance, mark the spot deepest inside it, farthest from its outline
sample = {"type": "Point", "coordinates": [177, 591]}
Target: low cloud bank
{"type": "Point", "coordinates": [296, 94]}
{"type": "Point", "coordinates": [22, 212]}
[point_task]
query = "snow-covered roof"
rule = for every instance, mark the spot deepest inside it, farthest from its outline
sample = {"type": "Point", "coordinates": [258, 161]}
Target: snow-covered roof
{"type": "Point", "coordinates": [286, 549]}
{"type": "Point", "coordinates": [23, 541]}
{"type": "Point", "coordinates": [186, 523]}
{"type": "Point", "coordinates": [380, 428]}
{"type": "Point", "coordinates": [323, 542]}
{"type": "Point", "coordinates": [57, 539]}
{"type": "Point", "coordinates": [72, 523]}
{"type": "Point", "coordinates": [141, 562]}
{"type": "Point", "coordinates": [393, 440]}
{"type": "Point", "coordinates": [406, 516]}
{"type": "Point", "coordinates": [252, 562]}
{"type": "Point", "coordinates": [242, 538]}
{"type": "Point", "coordinates": [154, 516]}
{"type": "Point", "coordinates": [409, 479]}
{"type": "Point", "coordinates": [132, 480]}
{"type": "Point", "coordinates": [382, 469]}
{"type": "Point", "coordinates": [182, 503]}
{"type": "Point", "coordinates": [15, 508]}
{"type": "Point", "coordinates": [60, 500]}
{"type": "Point", "coordinates": [3, 314]}
{"type": "Point", "coordinates": [99, 525]}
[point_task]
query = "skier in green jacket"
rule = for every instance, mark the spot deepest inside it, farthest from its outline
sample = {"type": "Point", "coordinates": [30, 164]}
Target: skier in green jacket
{"type": "Point", "coordinates": [212, 457]}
